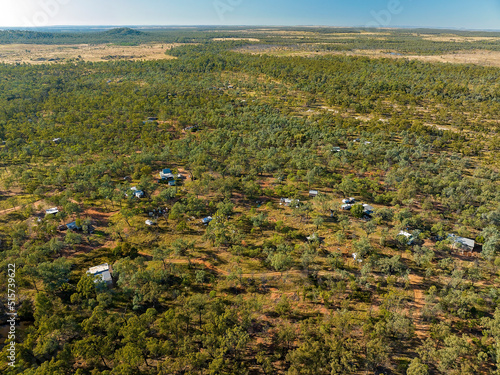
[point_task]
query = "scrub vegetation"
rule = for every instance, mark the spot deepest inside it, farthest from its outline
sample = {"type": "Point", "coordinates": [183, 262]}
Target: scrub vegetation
{"type": "Point", "coordinates": [280, 278]}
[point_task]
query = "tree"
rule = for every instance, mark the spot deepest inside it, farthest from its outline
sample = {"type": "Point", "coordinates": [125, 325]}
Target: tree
{"type": "Point", "coordinates": [165, 195]}
{"type": "Point", "coordinates": [347, 186]}
{"type": "Point", "coordinates": [55, 274]}
{"type": "Point", "coordinates": [453, 353]}
{"type": "Point", "coordinates": [197, 304]}
{"type": "Point", "coordinates": [491, 245]}
{"type": "Point", "coordinates": [309, 254]}
{"type": "Point", "coordinates": [94, 348]}
{"type": "Point", "coordinates": [280, 261]}
{"type": "Point", "coordinates": [284, 337]}
{"type": "Point", "coordinates": [177, 211]}
{"type": "Point", "coordinates": [357, 210]}
{"type": "Point", "coordinates": [225, 208]}
{"type": "Point", "coordinates": [252, 189]}
{"type": "Point", "coordinates": [86, 225]}
{"type": "Point", "coordinates": [181, 246]}
{"type": "Point", "coordinates": [310, 358]}
{"type": "Point", "coordinates": [129, 357]}
{"type": "Point", "coordinates": [344, 224]}
{"type": "Point", "coordinates": [127, 214]}
{"type": "Point", "coordinates": [72, 208]}
{"type": "Point", "coordinates": [161, 253]}
{"type": "Point", "coordinates": [417, 368]}
{"type": "Point", "coordinates": [335, 260]}
{"type": "Point", "coordinates": [86, 287]}
{"type": "Point", "coordinates": [377, 353]}
{"type": "Point", "coordinates": [73, 238]}
{"type": "Point", "coordinates": [362, 247]}
{"type": "Point", "coordinates": [318, 221]}
{"type": "Point", "coordinates": [369, 228]}
{"type": "Point", "coordinates": [493, 331]}
{"type": "Point", "coordinates": [222, 233]}
{"type": "Point", "coordinates": [259, 220]}
{"type": "Point", "coordinates": [384, 215]}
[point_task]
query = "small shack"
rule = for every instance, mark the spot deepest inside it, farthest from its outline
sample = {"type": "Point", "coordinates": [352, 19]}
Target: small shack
{"type": "Point", "coordinates": [137, 193]}
{"type": "Point", "coordinates": [101, 273]}
{"type": "Point", "coordinates": [288, 201]}
{"type": "Point", "coordinates": [166, 174]}
{"type": "Point", "coordinates": [349, 201]}
{"type": "Point", "coordinates": [73, 226]}
{"type": "Point", "coordinates": [368, 210]}
{"type": "Point", "coordinates": [462, 243]}
{"type": "Point", "coordinates": [51, 211]}
{"type": "Point", "coordinates": [315, 237]}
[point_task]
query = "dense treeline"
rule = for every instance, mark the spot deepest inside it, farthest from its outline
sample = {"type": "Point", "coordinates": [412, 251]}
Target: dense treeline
{"type": "Point", "coordinates": [122, 36]}
{"type": "Point", "coordinates": [249, 293]}
{"type": "Point", "coordinates": [405, 41]}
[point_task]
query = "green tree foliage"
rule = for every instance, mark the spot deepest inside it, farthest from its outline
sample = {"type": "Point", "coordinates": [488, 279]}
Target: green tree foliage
{"type": "Point", "coordinates": [196, 299]}
{"type": "Point", "coordinates": [357, 210]}
{"type": "Point", "coordinates": [417, 368]}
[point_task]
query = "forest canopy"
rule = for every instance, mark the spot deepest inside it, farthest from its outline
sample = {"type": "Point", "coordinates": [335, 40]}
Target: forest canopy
{"type": "Point", "coordinates": [257, 213]}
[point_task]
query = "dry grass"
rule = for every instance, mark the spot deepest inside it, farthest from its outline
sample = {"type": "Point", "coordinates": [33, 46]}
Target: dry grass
{"type": "Point", "coordinates": [477, 57]}
{"type": "Point", "coordinates": [456, 38]}
{"type": "Point", "coordinates": [484, 58]}
{"type": "Point", "coordinates": [285, 32]}
{"type": "Point", "coordinates": [364, 33]}
{"type": "Point", "coordinates": [230, 39]}
{"type": "Point", "coordinates": [44, 54]}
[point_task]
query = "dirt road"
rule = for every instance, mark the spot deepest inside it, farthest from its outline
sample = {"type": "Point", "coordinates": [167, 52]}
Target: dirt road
{"type": "Point", "coordinates": [17, 208]}
{"type": "Point", "coordinates": [417, 285]}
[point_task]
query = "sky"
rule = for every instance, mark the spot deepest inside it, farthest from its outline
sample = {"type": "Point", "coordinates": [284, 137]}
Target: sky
{"type": "Point", "coordinates": [457, 14]}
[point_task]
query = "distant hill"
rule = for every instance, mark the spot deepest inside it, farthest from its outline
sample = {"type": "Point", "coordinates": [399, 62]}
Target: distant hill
{"type": "Point", "coordinates": [123, 31]}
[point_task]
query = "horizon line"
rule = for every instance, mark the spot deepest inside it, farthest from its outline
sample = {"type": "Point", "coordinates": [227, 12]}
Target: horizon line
{"type": "Point", "coordinates": [27, 28]}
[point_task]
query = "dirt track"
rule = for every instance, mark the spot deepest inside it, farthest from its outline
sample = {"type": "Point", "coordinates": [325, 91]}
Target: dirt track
{"type": "Point", "coordinates": [421, 328]}
{"type": "Point", "coordinates": [17, 208]}
{"type": "Point", "coordinates": [9, 210]}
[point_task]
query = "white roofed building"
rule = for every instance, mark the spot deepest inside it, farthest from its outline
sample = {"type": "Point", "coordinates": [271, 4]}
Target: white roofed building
{"type": "Point", "coordinates": [51, 211]}
{"type": "Point", "coordinates": [349, 201]}
{"type": "Point", "coordinates": [288, 201]}
{"type": "Point", "coordinates": [136, 192]}
{"type": "Point", "coordinates": [101, 273]}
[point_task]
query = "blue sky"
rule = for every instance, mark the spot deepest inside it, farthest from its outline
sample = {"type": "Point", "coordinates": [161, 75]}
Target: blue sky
{"type": "Point", "coordinates": [468, 14]}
